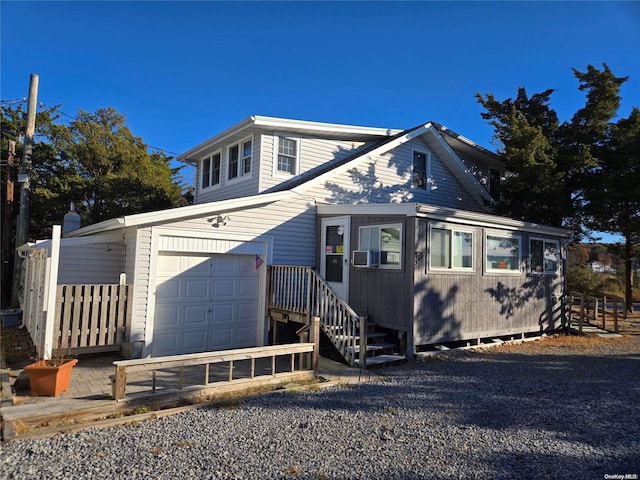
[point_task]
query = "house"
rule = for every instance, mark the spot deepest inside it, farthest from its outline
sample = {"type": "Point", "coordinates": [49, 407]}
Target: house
{"type": "Point", "coordinates": [396, 224]}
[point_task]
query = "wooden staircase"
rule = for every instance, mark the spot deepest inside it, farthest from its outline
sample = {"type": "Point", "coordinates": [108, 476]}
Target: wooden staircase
{"type": "Point", "coordinates": [300, 293]}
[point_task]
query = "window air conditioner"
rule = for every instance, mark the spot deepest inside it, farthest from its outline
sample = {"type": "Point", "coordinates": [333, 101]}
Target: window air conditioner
{"type": "Point", "coordinates": [365, 258]}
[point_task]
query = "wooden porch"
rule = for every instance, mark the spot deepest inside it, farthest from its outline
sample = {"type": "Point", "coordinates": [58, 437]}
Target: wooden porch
{"type": "Point", "coordinates": [298, 294]}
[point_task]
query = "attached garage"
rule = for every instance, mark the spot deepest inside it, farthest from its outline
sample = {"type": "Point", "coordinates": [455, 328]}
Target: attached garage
{"type": "Point", "coordinates": [204, 302]}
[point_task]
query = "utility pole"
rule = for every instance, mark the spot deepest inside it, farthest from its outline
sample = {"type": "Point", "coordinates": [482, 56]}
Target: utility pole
{"type": "Point", "coordinates": [24, 215]}
{"type": "Point", "coordinates": [7, 227]}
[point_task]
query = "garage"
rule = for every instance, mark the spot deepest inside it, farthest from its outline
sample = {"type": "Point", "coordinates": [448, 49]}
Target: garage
{"type": "Point", "coordinates": [204, 302]}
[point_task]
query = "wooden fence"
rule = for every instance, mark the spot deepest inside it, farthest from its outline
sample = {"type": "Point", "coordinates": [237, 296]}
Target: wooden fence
{"type": "Point", "coordinates": [92, 317]}
{"type": "Point", "coordinates": [180, 362]}
{"type": "Point", "coordinates": [596, 310]}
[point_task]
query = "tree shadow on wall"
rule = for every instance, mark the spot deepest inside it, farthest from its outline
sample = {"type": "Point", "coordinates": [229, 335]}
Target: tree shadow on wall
{"type": "Point", "coordinates": [367, 188]}
{"type": "Point", "coordinates": [512, 299]}
{"type": "Point", "coordinates": [435, 317]}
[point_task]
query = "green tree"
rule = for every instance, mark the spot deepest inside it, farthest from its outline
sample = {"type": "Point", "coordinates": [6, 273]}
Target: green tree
{"type": "Point", "coordinates": [94, 161]}
{"type": "Point", "coordinates": [527, 129]}
{"type": "Point", "coordinates": [13, 123]}
{"type": "Point", "coordinates": [579, 174]}
{"type": "Point", "coordinates": [611, 190]}
{"type": "Point", "coordinates": [105, 169]}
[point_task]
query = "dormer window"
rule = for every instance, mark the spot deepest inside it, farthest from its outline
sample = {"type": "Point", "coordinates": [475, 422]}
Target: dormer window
{"type": "Point", "coordinates": [287, 155]}
{"type": "Point", "coordinates": [239, 156]}
{"type": "Point", "coordinates": [246, 157]}
{"type": "Point", "coordinates": [211, 171]}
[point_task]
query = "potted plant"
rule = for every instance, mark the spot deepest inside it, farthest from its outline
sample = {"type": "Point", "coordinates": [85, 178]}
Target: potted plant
{"type": "Point", "coordinates": [51, 377]}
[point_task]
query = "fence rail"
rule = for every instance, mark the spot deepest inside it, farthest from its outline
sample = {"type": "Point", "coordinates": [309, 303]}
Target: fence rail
{"type": "Point", "coordinates": [180, 362]}
{"type": "Point", "coordinates": [596, 310]}
{"type": "Point", "coordinates": [92, 315]}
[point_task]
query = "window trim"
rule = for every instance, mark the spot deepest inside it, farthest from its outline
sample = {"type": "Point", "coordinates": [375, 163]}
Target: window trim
{"type": "Point", "coordinates": [210, 184]}
{"type": "Point", "coordinates": [379, 227]}
{"type": "Point", "coordinates": [427, 169]}
{"type": "Point", "coordinates": [241, 175]}
{"type": "Point", "coordinates": [530, 256]}
{"type": "Point", "coordinates": [452, 269]}
{"type": "Point", "coordinates": [498, 271]}
{"type": "Point", "coordinates": [276, 172]}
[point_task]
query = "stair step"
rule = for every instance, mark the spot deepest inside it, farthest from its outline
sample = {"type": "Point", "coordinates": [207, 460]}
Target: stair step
{"type": "Point", "coordinates": [370, 335]}
{"type": "Point", "coordinates": [376, 334]}
{"type": "Point", "coordinates": [373, 347]}
{"type": "Point", "coordinates": [381, 359]}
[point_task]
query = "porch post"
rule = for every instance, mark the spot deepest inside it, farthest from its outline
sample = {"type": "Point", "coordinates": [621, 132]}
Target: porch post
{"type": "Point", "coordinates": [316, 344]}
{"type": "Point", "coordinates": [49, 313]}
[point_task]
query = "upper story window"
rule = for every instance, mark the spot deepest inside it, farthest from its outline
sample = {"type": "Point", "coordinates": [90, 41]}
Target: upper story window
{"type": "Point", "coordinates": [211, 171]}
{"type": "Point", "coordinates": [239, 159]}
{"type": "Point", "coordinates": [503, 253]}
{"type": "Point", "coordinates": [287, 155]}
{"type": "Point", "coordinates": [451, 249]}
{"type": "Point", "coordinates": [420, 174]}
{"type": "Point", "coordinates": [386, 239]}
{"type": "Point", "coordinates": [544, 256]}
{"type": "Point", "coordinates": [247, 148]}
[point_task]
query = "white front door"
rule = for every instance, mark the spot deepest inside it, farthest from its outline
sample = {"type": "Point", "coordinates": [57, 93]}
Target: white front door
{"type": "Point", "coordinates": [334, 257]}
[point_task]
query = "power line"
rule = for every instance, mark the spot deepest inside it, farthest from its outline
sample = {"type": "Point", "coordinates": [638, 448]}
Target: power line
{"type": "Point", "coordinates": [73, 118]}
{"type": "Point", "coordinates": [11, 102]}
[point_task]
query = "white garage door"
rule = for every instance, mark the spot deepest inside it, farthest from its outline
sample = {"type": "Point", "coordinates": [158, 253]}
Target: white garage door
{"type": "Point", "coordinates": [204, 303]}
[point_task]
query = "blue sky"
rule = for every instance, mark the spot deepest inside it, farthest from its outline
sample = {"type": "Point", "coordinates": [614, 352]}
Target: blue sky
{"type": "Point", "coordinates": [183, 71]}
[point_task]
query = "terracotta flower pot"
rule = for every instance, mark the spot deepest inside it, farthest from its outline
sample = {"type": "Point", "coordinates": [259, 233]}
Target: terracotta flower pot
{"type": "Point", "coordinates": [49, 380]}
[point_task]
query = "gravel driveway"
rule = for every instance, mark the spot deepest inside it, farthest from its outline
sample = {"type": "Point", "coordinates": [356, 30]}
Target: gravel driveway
{"type": "Point", "coordinates": [558, 408]}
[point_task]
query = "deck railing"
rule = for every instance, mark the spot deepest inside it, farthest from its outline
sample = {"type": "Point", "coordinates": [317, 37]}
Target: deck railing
{"type": "Point", "coordinates": [253, 377]}
{"type": "Point", "coordinates": [302, 290]}
{"type": "Point", "coordinates": [596, 310]}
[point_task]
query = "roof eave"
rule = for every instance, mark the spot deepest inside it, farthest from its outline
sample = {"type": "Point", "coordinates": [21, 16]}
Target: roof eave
{"type": "Point", "coordinates": [173, 214]}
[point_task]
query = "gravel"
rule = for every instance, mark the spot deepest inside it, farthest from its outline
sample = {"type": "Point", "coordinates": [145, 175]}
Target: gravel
{"type": "Point", "coordinates": [549, 410]}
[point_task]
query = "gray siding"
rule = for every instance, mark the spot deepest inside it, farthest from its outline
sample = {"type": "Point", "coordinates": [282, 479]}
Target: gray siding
{"type": "Point", "coordinates": [387, 179]}
{"type": "Point", "coordinates": [313, 153]}
{"type": "Point", "coordinates": [384, 295]}
{"type": "Point", "coordinates": [446, 190]}
{"type": "Point", "coordinates": [463, 306]}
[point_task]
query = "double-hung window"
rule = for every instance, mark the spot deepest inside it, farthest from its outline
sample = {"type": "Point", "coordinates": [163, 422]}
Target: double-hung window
{"type": "Point", "coordinates": [544, 256]}
{"type": "Point", "coordinates": [287, 161]}
{"type": "Point", "coordinates": [385, 239]}
{"type": "Point", "coordinates": [420, 174]}
{"type": "Point", "coordinates": [239, 159]}
{"type": "Point", "coordinates": [451, 249]}
{"type": "Point", "coordinates": [211, 171]}
{"type": "Point", "coordinates": [246, 156]}
{"type": "Point", "coordinates": [503, 253]}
